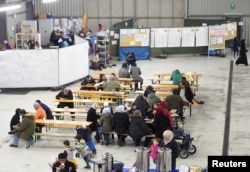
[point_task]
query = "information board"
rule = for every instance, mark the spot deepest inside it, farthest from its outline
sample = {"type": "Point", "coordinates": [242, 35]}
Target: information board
{"type": "Point", "coordinates": [216, 37]}
{"type": "Point", "coordinates": [201, 36]}
{"type": "Point", "coordinates": [134, 37]}
{"type": "Point", "coordinates": [174, 37]}
{"type": "Point", "coordinates": [187, 37]}
{"type": "Point", "coordinates": [230, 30]}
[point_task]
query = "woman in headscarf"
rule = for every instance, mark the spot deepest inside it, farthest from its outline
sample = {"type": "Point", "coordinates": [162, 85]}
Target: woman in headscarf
{"type": "Point", "coordinates": [93, 116]}
{"type": "Point", "coordinates": [161, 123]}
{"type": "Point", "coordinates": [164, 104]}
{"type": "Point", "coordinates": [121, 124]}
{"type": "Point", "coordinates": [105, 123]}
{"type": "Point", "coordinates": [170, 142]}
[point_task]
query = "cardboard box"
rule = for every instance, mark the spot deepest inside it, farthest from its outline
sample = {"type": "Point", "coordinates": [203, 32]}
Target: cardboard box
{"type": "Point", "coordinates": [42, 16]}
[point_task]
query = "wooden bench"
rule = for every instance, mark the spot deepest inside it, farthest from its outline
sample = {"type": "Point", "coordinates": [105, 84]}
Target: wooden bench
{"type": "Point", "coordinates": [50, 134]}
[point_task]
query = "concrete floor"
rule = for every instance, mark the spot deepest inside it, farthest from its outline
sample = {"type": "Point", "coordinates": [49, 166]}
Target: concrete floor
{"type": "Point", "coordinates": [206, 124]}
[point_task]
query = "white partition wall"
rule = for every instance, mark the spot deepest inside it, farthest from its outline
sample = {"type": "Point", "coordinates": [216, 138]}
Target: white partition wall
{"type": "Point", "coordinates": [43, 68]}
{"type": "Point", "coordinates": [73, 63]}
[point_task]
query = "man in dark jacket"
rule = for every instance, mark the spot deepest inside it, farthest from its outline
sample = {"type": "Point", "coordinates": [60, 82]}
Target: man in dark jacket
{"type": "Point", "coordinates": [121, 124]}
{"type": "Point", "coordinates": [66, 94]}
{"type": "Point", "coordinates": [25, 129]}
{"type": "Point", "coordinates": [15, 119]}
{"type": "Point", "coordinates": [46, 109]}
{"type": "Point", "coordinates": [63, 165]}
{"type": "Point", "coordinates": [138, 128]}
{"type": "Point", "coordinates": [93, 116]}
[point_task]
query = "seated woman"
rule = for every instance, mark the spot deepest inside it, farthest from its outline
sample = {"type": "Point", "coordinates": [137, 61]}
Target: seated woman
{"type": "Point", "coordinates": [152, 112]}
{"type": "Point", "coordinates": [132, 109]}
{"type": "Point", "coordinates": [138, 129]}
{"type": "Point", "coordinates": [87, 83]}
{"type": "Point", "coordinates": [142, 105]}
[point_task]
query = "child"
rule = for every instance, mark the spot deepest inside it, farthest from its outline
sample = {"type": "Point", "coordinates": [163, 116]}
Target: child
{"type": "Point", "coordinates": [83, 150]}
{"type": "Point", "coordinates": [69, 151]}
{"type": "Point", "coordinates": [154, 149]}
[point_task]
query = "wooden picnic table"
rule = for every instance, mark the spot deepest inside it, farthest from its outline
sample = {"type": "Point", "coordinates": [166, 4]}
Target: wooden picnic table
{"type": "Point", "coordinates": [67, 124]}
{"type": "Point", "coordinates": [193, 78]}
{"type": "Point", "coordinates": [84, 101]}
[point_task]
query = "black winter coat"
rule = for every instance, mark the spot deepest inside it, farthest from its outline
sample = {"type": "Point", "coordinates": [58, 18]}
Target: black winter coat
{"type": "Point", "coordinates": [160, 124]}
{"type": "Point", "coordinates": [14, 121]}
{"type": "Point", "coordinates": [138, 127]}
{"type": "Point", "coordinates": [121, 122]}
{"type": "Point", "coordinates": [92, 117]}
{"type": "Point", "coordinates": [173, 145]}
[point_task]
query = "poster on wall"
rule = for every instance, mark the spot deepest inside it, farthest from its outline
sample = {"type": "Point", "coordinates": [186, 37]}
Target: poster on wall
{"type": "Point", "coordinates": [188, 37]}
{"type": "Point", "coordinates": [161, 37]}
{"type": "Point", "coordinates": [201, 36]}
{"type": "Point", "coordinates": [230, 30]}
{"type": "Point", "coordinates": [174, 37]}
{"type": "Point", "coordinates": [152, 38]}
{"type": "Point", "coordinates": [216, 37]}
{"type": "Point", "coordinates": [134, 37]}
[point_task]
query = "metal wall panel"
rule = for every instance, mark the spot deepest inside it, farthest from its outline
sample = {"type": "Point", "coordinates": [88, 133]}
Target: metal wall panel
{"type": "Point", "coordinates": [104, 8]}
{"type": "Point", "coordinates": [142, 8]}
{"type": "Point", "coordinates": [91, 9]}
{"type": "Point", "coordinates": [117, 9]}
{"type": "Point", "coordinates": [166, 8]}
{"type": "Point", "coordinates": [179, 9]}
{"type": "Point", "coordinates": [61, 8]}
{"type": "Point", "coordinates": [128, 6]}
{"type": "Point", "coordinates": [154, 8]}
{"type": "Point", "coordinates": [216, 7]}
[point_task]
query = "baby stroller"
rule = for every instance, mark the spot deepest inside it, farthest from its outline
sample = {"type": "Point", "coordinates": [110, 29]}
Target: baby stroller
{"type": "Point", "coordinates": [184, 140]}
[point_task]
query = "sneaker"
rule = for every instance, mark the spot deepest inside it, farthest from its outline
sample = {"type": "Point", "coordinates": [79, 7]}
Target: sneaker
{"type": "Point", "coordinates": [14, 146]}
{"type": "Point", "coordinates": [201, 102]}
{"type": "Point", "coordinates": [88, 167]}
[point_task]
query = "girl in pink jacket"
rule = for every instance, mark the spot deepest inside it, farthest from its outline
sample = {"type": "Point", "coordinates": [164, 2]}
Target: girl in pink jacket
{"type": "Point", "coordinates": [154, 149]}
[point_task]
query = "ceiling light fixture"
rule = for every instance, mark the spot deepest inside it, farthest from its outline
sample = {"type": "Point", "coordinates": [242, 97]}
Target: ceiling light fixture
{"type": "Point", "coordinates": [8, 7]}
{"type": "Point", "coordinates": [48, 1]}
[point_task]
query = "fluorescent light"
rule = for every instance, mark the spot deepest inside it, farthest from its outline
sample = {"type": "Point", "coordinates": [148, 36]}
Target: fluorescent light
{"type": "Point", "coordinates": [48, 1]}
{"type": "Point", "coordinates": [9, 7]}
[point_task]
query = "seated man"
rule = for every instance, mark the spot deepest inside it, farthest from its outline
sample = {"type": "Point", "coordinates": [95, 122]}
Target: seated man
{"type": "Point", "coordinates": [176, 102]}
{"type": "Point", "coordinates": [66, 94]}
{"type": "Point", "coordinates": [15, 120]}
{"type": "Point", "coordinates": [25, 129]}
{"type": "Point", "coordinates": [46, 109]}
{"type": "Point", "coordinates": [136, 75]}
{"type": "Point", "coordinates": [123, 71]}
{"type": "Point", "coordinates": [138, 128]}
{"type": "Point", "coordinates": [40, 114]}
{"type": "Point", "coordinates": [111, 84]}
{"type": "Point", "coordinates": [176, 77]}
{"type": "Point", "coordinates": [88, 81]}
{"type": "Point", "coordinates": [63, 165]}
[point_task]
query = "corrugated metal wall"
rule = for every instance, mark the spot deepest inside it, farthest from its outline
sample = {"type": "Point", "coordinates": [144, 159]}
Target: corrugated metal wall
{"type": "Point", "coordinates": [149, 13]}
{"type": "Point", "coordinates": [220, 9]}
{"type": "Point", "coordinates": [61, 8]}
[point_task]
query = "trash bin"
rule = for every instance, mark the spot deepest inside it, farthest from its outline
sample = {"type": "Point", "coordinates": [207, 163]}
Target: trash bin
{"type": "Point", "coordinates": [99, 166]}
{"type": "Point", "coordinates": [109, 161]}
{"type": "Point", "coordinates": [142, 159]}
{"type": "Point", "coordinates": [164, 160]}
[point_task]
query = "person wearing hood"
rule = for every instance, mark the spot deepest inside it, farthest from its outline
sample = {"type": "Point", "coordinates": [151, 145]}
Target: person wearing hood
{"type": "Point", "coordinates": [121, 124]}
{"type": "Point", "coordinates": [142, 105]}
{"type": "Point", "coordinates": [25, 129]}
{"type": "Point", "coordinates": [138, 129]}
{"type": "Point", "coordinates": [243, 54]}
{"type": "Point", "coordinates": [105, 123]}
{"type": "Point", "coordinates": [170, 142]}
{"type": "Point", "coordinates": [176, 77]}
{"type": "Point", "coordinates": [93, 116]}
{"type": "Point", "coordinates": [152, 98]}
{"type": "Point", "coordinates": [161, 122]}
{"type": "Point", "coordinates": [165, 111]}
